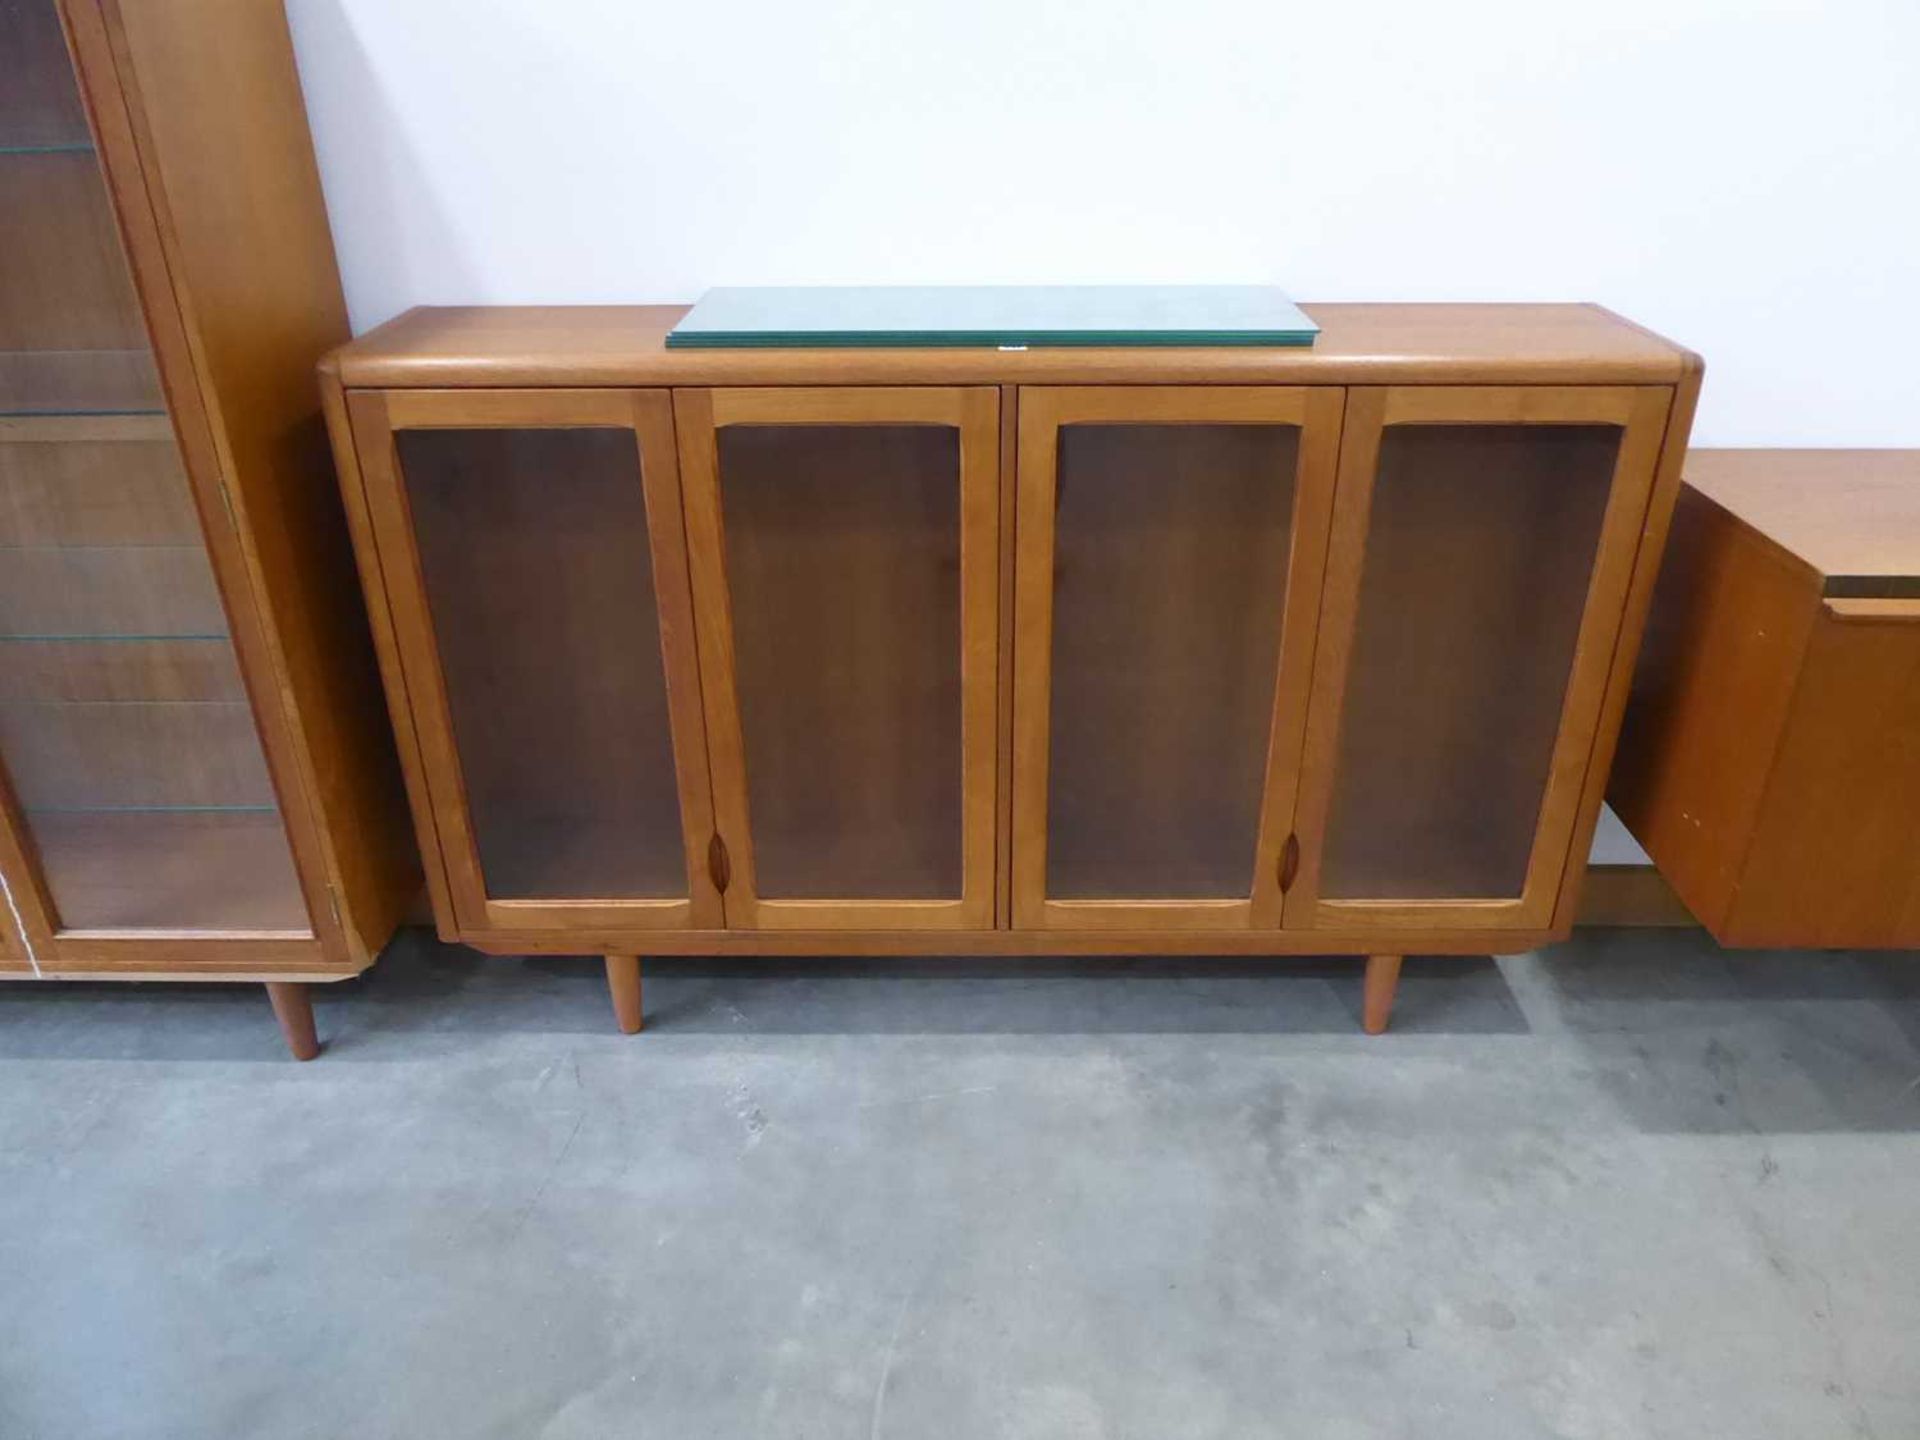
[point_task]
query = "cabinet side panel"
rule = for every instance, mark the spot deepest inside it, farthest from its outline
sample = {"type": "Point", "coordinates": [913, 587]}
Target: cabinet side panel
{"type": "Point", "coordinates": [1835, 860]}
{"type": "Point", "coordinates": [233, 177]}
{"type": "Point", "coordinates": [1654, 529]}
{"type": "Point", "coordinates": [1710, 696]}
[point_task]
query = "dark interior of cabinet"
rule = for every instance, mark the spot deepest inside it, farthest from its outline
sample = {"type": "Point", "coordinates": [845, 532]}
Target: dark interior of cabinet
{"type": "Point", "coordinates": [843, 575]}
{"type": "Point", "coordinates": [1479, 552]}
{"type": "Point", "coordinates": [534, 550]}
{"type": "Point", "coordinates": [1171, 551]}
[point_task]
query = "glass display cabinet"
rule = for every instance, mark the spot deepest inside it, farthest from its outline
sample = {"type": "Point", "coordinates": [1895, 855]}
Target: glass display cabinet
{"type": "Point", "coordinates": [193, 779]}
{"type": "Point", "coordinates": [978, 651]}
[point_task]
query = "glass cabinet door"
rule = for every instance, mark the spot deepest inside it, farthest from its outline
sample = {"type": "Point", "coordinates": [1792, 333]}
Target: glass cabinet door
{"type": "Point", "coordinates": [1482, 546]}
{"type": "Point", "coordinates": [534, 562]}
{"type": "Point", "coordinates": [843, 547]}
{"type": "Point", "coordinates": [1168, 564]}
{"type": "Point", "coordinates": [138, 798]}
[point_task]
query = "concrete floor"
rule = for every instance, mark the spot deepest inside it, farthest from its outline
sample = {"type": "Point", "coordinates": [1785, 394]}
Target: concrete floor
{"type": "Point", "coordinates": [1630, 1188]}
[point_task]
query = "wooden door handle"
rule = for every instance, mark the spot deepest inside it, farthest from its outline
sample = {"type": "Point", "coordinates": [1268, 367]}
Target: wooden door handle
{"type": "Point", "coordinates": [1289, 863]}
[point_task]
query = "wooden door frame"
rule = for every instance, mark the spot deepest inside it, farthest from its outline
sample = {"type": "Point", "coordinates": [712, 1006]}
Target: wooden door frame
{"type": "Point", "coordinates": [1317, 412]}
{"type": "Point", "coordinates": [26, 926]}
{"type": "Point", "coordinates": [1641, 413]}
{"type": "Point", "coordinates": [376, 417]}
{"type": "Point", "coordinates": [972, 411]}
{"type": "Point", "coordinates": [14, 955]}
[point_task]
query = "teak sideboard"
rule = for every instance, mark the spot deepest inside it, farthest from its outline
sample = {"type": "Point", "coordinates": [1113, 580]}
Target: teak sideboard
{"type": "Point", "coordinates": [1009, 652]}
{"type": "Point", "coordinates": [196, 781]}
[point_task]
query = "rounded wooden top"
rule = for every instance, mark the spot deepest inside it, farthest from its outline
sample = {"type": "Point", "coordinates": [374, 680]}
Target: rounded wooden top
{"type": "Point", "coordinates": [1359, 344]}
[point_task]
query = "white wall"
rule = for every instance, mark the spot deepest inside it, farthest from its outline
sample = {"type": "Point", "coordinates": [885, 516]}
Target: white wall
{"type": "Point", "coordinates": [1743, 175]}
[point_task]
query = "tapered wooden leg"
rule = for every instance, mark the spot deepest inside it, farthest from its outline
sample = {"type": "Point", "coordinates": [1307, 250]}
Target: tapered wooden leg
{"type": "Point", "coordinates": [1383, 978]}
{"type": "Point", "coordinates": [623, 979]}
{"type": "Point", "coordinates": [293, 1008]}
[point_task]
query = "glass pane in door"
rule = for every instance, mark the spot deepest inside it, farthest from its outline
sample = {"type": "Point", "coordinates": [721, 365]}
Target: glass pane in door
{"type": "Point", "coordinates": [533, 547]}
{"type": "Point", "coordinates": [1480, 547]}
{"type": "Point", "coordinates": [125, 731]}
{"type": "Point", "coordinates": [1170, 576]}
{"type": "Point", "coordinates": [843, 574]}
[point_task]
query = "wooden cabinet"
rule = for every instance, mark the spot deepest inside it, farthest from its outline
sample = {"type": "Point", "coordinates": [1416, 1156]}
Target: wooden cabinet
{"type": "Point", "coordinates": [1770, 762]}
{"type": "Point", "coordinates": [192, 777]}
{"type": "Point", "coordinates": [971, 651]}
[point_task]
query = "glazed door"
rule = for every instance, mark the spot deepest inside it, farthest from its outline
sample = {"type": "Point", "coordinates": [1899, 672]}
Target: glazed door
{"type": "Point", "coordinates": [1481, 551]}
{"type": "Point", "coordinates": [535, 563]}
{"type": "Point", "coordinates": [843, 549]}
{"type": "Point", "coordinates": [139, 819]}
{"type": "Point", "coordinates": [1169, 557]}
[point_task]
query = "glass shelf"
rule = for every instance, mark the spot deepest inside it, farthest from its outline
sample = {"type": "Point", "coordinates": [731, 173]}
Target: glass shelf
{"type": "Point", "coordinates": [168, 545]}
{"type": "Point", "coordinates": [55, 147]}
{"type": "Point", "coordinates": [98, 548]}
{"type": "Point", "coordinates": [151, 809]}
{"type": "Point", "coordinates": [114, 639]}
{"type": "Point", "coordinates": [99, 702]}
{"type": "Point", "coordinates": [81, 414]}
{"type": "Point", "coordinates": [772, 317]}
{"type": "Point", "coordinates": [162, 672]}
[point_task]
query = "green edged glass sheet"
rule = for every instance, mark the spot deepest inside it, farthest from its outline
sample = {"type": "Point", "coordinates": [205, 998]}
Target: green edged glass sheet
{"type": "Point", "coordinates": [778, 317]}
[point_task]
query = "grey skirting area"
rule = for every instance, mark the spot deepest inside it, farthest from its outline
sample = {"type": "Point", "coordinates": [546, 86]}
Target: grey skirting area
{"type": "Point", "coordinates": [1629, 1187]}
